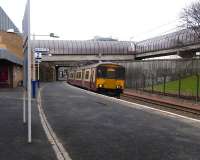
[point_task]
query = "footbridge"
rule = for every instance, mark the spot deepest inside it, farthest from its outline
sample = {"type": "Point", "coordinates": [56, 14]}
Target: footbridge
{"type": "Point", "coordinates": [184, 43]}
{"type": "Point", "coordinates": [88, 50]}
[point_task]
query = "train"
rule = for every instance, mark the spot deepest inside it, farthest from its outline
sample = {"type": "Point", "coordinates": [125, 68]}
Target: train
{"type": "Point", "coordinates": [102, 77]}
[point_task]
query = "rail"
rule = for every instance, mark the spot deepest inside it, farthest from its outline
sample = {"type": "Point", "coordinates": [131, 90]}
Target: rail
{"type": "Point", "coordinates": [163, 102]}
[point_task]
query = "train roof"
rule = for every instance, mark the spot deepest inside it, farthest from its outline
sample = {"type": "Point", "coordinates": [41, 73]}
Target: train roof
{"type": "Point", "coordinates": [95, 65]}
{"type": "Point", "coordinates": [100, 63]}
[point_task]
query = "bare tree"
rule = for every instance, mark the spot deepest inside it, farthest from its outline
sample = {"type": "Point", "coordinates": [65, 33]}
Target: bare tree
{"type": "Point", "coordinates": [191, 17]}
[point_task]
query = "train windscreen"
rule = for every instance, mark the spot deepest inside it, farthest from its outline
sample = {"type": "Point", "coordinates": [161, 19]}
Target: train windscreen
{"type": "Point", "coordinates": [111, 72]}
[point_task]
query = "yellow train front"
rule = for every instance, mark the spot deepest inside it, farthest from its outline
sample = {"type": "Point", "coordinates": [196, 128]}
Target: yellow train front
{"type": "Point", "coordinates": [110, 78]}
{"type": "Point", "coordinates": [103, 77]}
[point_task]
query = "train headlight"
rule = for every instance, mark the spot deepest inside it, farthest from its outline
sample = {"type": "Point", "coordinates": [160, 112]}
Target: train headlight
{"type": "Point", "coordinates": [100, 85]}
{"type": "Point", "coordinates": [118, 87]}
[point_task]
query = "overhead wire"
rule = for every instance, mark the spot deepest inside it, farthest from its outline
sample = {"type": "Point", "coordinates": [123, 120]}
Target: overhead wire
{"type": "Point", "coordinates": [159, 27]}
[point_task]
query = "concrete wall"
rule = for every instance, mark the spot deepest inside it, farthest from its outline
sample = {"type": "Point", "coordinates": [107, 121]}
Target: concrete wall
{"type": "Point", "coordinates": [47, 72]}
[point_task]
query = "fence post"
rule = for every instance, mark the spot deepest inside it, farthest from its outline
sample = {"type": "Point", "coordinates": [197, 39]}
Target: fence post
{"type": "Point", "coordinates": [179, 86]}
{"type": "Point", "coordinates": [164, 85]}
{"type": "Point", "coordinates": [136, 85]}
{"type": "Point", "coordinates": [144, 82]}
{"type": "Point", "coordinates": [197, 91]}
{"type": "Point", "coordinates": [152, 84]}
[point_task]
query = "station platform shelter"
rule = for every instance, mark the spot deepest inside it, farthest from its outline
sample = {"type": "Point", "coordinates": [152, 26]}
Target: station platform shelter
{"type": "Point", "coordinates": [11, 53]}
{"type": "Point", "coordinates": [11, 60]}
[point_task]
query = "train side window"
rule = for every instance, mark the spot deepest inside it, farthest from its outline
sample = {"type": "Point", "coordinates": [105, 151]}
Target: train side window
{"type": "Point", "coordinates": [78, 75]}
{"type": "Point", "coordinates": [74, 75]}
{"type": "Point", "coordinates": [87, 75]}
{"type": "Point", "coordinates": [71, 75]}
{"type": "Point", "coordinates": [83, 74]}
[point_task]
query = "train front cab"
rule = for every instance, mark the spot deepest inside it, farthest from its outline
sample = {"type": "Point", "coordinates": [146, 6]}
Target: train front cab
{"type": "Point", "coordinates": [110, 79]}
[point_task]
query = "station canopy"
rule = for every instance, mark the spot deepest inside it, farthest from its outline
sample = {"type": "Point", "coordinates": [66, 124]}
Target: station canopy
{"type": "Point", "coordinates": [6, 55]}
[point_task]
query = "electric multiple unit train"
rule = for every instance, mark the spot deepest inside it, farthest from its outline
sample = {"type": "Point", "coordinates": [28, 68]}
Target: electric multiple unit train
{"type": "Point", "coordinates": [103, 77]}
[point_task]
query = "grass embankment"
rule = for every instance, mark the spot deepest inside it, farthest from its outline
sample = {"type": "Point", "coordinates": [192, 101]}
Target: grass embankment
{"type": "Point", "coordinates": [188, 86]}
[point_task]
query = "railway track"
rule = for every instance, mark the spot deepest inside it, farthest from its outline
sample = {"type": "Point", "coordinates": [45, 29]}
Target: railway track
{"type": "Point", "coordinates": [180, 109]}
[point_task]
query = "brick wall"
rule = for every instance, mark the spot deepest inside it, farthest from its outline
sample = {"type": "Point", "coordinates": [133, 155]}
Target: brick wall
{"type": "Point", "coordinates": [12, 42]}
{"type": "Point", "coordinates": [17, 75]}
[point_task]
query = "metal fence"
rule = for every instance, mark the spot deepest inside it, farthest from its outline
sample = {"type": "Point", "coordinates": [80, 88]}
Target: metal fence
{"type": "Point", "coordinates": [178, 77]}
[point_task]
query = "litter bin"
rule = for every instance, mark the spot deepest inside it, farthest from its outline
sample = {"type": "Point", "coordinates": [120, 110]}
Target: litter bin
{"type": "Point", "coordinates": [34, 88]}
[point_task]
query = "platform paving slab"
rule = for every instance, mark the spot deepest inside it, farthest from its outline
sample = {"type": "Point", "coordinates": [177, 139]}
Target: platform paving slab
{"type": "Point", "coordinates": [13, 133]}
{"type": "Point", "coordinates": [93, 128]}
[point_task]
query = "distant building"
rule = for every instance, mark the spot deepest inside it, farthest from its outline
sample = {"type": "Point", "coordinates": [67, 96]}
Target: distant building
{"type": "Point", "coordinates": [98, 38]}
{"type": "Point", "coordinates": [11, 53]}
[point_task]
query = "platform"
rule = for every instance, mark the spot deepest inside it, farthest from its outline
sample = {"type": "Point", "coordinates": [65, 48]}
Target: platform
{"type": "Point", "coordinates": [13, 134]}
{"type": "Point", "coordinates": [94, 127]}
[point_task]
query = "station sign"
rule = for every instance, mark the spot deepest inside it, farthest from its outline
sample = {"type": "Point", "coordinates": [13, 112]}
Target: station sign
{"type": "Point", "coordinates": [38, 61]}
{"type": "Point", "coordinates": [38, 55]}
{"type": "Point", "coordinates": [41, 49]}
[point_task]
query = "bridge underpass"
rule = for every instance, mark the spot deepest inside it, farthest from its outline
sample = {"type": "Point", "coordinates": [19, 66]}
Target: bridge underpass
{"type": "Point", "coordinates": [54, 63]}
{"type": "Point", "coordinates": [50, 70]}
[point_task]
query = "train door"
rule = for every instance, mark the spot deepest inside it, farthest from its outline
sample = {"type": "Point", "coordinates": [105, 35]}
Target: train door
{"type": "Point", "coordinates": [92, 79]}
{"type": "Point", "coordinates": [3, 75]}
{"type": "Point", "coordinates": [83, 77]}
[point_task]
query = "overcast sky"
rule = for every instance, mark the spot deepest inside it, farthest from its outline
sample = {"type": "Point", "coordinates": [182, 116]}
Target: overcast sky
{"type": "Point", "coordinates": [84, 19]}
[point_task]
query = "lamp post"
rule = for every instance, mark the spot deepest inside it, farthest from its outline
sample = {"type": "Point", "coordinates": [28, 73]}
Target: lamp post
{"type": "Point", "coordinates": [38, 57]}
{"type": "Point", "coordinates": [38, 72]}
{"type": "Point", "coordinates": [45, 35]}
